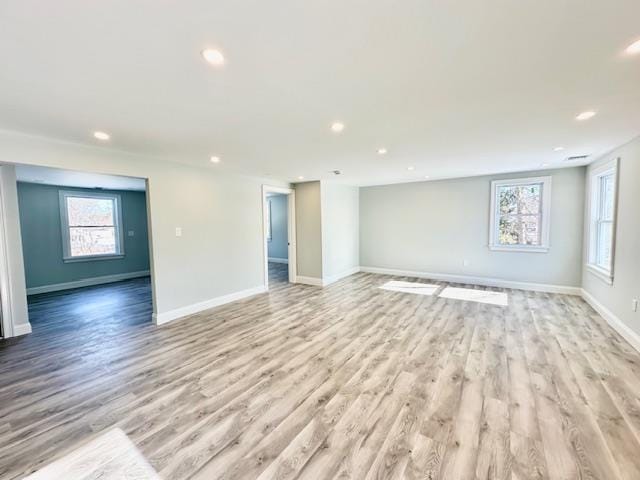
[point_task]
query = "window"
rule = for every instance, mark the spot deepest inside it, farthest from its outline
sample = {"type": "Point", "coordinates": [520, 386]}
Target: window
{"type": "Point", "coordinates": [520, 211]}
{"type": "Point", "coordinates": [91, 225]}
{"type": "Point", "coordinates": [602, 214]}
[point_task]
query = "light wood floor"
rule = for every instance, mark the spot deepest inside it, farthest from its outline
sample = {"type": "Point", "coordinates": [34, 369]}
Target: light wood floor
{"type": "Point", "coordinates": [348, 381]}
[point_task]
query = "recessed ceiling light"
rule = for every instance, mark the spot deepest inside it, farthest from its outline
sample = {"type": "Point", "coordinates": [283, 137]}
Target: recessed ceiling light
{"type": "Point", "coordinates": [337, 127]}
{"type": "Point", "coordinates": [426, 176]}
{"type": "Point", "coordinates": [634, 48]}
{"type": "Point", "coordinates": [544, 165]}
{"type": "Point", "coordinates": [213, 56]}
{"type": "Point", "coordinates": [101, 135]}
{"type": "Point", "coordinates": [411, 168]}
{"type": "Point", "coordinates": [558, 149]}
{"type": "Point", "coordinates": [382, 151]}
{"type": "Point", "coordinates": [300, 177]}
{"type": "Point", "coordinates": [586, 115]}
{"type": "Point", "coordinates": [215, 159]}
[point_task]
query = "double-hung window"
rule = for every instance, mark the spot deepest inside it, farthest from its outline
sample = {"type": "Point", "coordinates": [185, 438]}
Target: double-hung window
{"type": "Point", "coordinates": [91, 225]}
{"type": "Point", "coordinates": [602, 216]}
{"type": "Point", "coordinates": [520, 214]}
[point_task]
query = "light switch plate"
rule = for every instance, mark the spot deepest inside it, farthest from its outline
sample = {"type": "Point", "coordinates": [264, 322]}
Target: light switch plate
{"type": "Point", "coordinates": [178, 231]}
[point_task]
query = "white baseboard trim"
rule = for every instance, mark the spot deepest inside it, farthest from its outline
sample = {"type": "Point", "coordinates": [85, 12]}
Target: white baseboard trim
{"type": "Point", "coordinates": [87, 282]}
{"type": "Point", "coordinates": [315, 281]}
{"type": "Point", "coordinates": [165, 317]}
{"type": "Point", "coordinates": [484, 281]}
{"type": "Point", "coordinates": [21, 329]}
{"type": "Point", "coordinates": [323, 282]}
{"type": "Point", "coordinates": [278, 260]}
{"type": "Point", "coordinates": [618, 325]}
{"type": "Point", "coordinates": [334, 278]}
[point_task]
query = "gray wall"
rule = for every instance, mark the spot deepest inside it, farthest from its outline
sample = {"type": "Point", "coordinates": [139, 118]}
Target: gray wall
{"type": "Point", "coordinates": [221, 248]}
{"type": "Point", "coordinates": [626, 271]}
{"type": "Point", "coordinates": [435, 226]}
{"type": "Point", "coordinates": [308, 230]}
{"type": "Point", "coordinates": [42, 237]}
{"type": "Point", "coordinates": [340, 229]}
{"type": "Point", "coordinates": [16, 287]}
{"type": "Point", "coordinates": [278, 247]}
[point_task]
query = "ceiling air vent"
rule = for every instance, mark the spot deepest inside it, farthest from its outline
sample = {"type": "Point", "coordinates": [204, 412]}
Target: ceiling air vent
{"type": "Point", "coordinates": [575, 158]}
{"type": "Point", "coordinates": [336, 172]}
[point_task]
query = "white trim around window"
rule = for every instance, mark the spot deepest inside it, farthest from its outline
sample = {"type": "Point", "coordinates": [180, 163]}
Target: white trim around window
{"type": "Point", "coordinates": [602, 214]}
{"type": "Point", "coordinates": [544, 214]}
{"type": "Point", "coordinates": [67, 257]}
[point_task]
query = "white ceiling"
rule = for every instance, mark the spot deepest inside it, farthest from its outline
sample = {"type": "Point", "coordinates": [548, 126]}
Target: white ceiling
{"type": "Point", "coordinates": [452, 88]}
{"type": "Point", "coordinates": [70, 178]}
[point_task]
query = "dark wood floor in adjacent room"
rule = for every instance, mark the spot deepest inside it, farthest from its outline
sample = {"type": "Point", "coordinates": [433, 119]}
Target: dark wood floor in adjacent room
{"type": "Point", "coordinates": [346, 381]}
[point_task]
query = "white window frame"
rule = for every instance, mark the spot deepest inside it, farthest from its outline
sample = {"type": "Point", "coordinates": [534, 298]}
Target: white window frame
{"type": "Point", "coordinates": [545, 214]}
{"type": "Point", "coordinates": [594, 202]}
{"type": "Point", "coordinates": [64, 223]}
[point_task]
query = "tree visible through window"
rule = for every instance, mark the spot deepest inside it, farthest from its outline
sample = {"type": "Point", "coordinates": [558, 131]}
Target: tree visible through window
{"type": "Point", "coordinates": [520, 214]}
{"type": "Point", "coordinates": [91, 225]}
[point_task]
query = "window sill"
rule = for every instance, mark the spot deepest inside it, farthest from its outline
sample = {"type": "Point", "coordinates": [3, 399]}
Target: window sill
{"type": "Point", "coordinates": [92, 258]}
{"type": "Point", "coordinates": [518, 248]}
{"type": "Point", "coordinates": [600, 273]}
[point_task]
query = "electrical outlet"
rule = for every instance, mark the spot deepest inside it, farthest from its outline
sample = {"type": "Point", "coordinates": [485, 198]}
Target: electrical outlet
{"type": "Point", "coordinates": [634, 305]}
{"type": "Point", "coordinates": [466, 263]}
{"type": "Point", "coordinates": [178, 231]}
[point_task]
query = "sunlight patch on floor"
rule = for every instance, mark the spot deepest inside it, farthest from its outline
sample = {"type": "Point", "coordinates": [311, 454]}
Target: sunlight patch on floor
{"type": "Point", "coordinates": [410, 287]}
{"type": "Point", "coordinates": [110, 456]}
{"type": "Point", "coordinates": [472, 295]}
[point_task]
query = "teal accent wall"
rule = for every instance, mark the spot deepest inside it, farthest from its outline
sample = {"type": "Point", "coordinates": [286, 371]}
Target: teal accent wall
{"type": "Point", "coordinates": [42, 237]}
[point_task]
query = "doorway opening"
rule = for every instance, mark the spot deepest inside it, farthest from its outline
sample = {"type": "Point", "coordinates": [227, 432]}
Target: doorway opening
{"type": "Point", "coordinates": [278, 206]}
{"type": "Point", "coordinates": [86, 250]}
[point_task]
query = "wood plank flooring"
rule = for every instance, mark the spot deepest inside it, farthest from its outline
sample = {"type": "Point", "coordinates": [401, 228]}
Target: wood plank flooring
{"type": "Point", "coordinates": [278, 273]}
{"type": "Point", "coordinates": [347, 381]}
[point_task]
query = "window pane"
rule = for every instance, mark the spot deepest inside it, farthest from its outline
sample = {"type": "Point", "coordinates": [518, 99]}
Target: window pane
{"type": "Point", "coordinates": [603, 249]}
{"type": "Point", "coordinates": [519, 230]}
{"type": "Point", "coordinates": [519, 199]}
{"type": "Point", "coordinates": [606, 185]}
{"type": "Point", "coordinates": [85, 211]}
{"type": "Point", "coordinates": [92, 241]}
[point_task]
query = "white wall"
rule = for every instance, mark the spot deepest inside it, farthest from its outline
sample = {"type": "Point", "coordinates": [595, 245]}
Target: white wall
{"type": "Point", "coordinates": [220, 251]}
{"type": "Point", "coordinates": [308, 231]}
{"type": "Point", "coordinates": [626, 282]}
{"type": "Point", "coordinates": [327, 223]}
{"type": "Point", "coordinates": [435, 226]}
{"type": "Point", "coordinates": [14, 290]}
{"type": "Point", "coordinates": [340, 230]}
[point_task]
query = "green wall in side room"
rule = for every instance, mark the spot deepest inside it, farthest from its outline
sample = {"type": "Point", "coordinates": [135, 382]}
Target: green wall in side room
{"type": "Point", "coordinates": [42, 238]}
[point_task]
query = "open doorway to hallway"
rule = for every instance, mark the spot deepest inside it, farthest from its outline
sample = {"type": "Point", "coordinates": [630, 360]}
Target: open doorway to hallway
{"type": "Point", "coordinates": [85, 244]}
{"type": "Point", "coordinates": [279, 235]}
{"type": "Point", "coordinates": [278, 238]}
